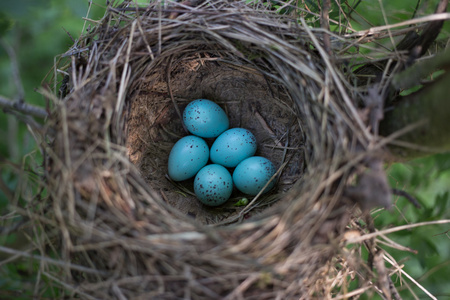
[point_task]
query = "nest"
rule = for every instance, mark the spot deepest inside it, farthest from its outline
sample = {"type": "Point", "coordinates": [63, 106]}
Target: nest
{"type": "Point", "coordinates": [122, 230]}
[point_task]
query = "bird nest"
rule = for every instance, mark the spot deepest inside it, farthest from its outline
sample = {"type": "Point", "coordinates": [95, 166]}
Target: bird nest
{"type": "Point", "coordinates": [120, 229]}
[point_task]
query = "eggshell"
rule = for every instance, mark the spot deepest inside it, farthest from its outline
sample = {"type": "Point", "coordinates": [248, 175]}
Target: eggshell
{"type": "Point", "coordinates": [252, 174]}
{"type": "Point", "coordinates": [205, 118]}
{"type": "Point", "coordinates": [187, 157]}
{"type": "Point", "coordinates": [232, 147]}
{"type": "Point", "coordinates": [213, 185]}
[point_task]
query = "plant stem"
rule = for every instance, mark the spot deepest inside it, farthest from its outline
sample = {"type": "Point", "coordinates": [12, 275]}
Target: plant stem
{"type": "Point", "coordinates": [23, 107]}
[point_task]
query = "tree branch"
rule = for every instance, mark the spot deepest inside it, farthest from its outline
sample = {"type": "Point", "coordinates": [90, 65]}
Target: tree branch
{"type": "Point", "coordinates": [14, 70]}
{"type": "Point", "coordinates": [416, 45]}
{"type": "Point", "coordinates": [414, 75]}
{"type": "Point", "coordinates": [22, 107]}
{"type": "Point", "coordinates": [429, 103]}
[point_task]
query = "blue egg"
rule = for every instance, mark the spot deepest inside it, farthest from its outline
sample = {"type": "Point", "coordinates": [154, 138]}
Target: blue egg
{"type": "Point", "coordinates": [205, 118]}
{"type": "Point", "coordinates": [213, 185]}
{"type": "Point", "coordinates": [252, 174]}
{"type": "Point", "coordinates": [232, 147]}
{"type": "Point", "coordinates": [187, 157]}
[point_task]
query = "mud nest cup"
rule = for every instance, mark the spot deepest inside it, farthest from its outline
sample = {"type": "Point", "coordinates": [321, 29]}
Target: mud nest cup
{"type": "Point", "coordinates": [125, 231]}
{"type": "Point", "coordinates": [252, 101]}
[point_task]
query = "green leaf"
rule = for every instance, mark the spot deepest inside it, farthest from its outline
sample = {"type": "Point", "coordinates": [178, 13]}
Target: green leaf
{"type": "Point", "coordinates": [242, 202]}
{"type": "Point", "coordinates": [441, 207]}
{"type": "Point", "coordinates": [442, 161]}
{"type": "Point", "coordinates": [426, 248]}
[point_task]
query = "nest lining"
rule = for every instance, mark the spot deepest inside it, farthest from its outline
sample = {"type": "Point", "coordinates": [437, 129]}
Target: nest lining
{"type": "Point", "coordinates": [250, 101]}
{"type": "Point", "coordinates": [113, 216]}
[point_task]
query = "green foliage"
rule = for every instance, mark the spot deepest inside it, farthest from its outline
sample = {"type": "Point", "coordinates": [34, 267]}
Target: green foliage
{"type": "Point", "coordinates": [6, 23]}
{"type": "Point", "coordinates": [427, 179]}
{"type": "Point", "coordinates": [34, 31]}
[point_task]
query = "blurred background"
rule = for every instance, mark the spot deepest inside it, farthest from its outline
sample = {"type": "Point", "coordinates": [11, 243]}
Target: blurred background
{"type": "Point", "coordinates": [34, 32]}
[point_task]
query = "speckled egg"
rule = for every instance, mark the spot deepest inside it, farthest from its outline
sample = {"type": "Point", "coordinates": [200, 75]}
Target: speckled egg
{"type": "Point", "coordinates": [232, 147]}
{"type": "Point", "coordinates": [252, 174]}
{"type": "Point", "coordinates": [187, 157]}
{"type": "Point", "coordinates": [205, 118]}
{"type": "Point", "coordinates": [213, 185]}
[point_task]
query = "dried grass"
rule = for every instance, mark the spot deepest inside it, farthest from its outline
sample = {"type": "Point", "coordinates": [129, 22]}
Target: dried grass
{"type": "Point", "coordinates": [109, 226]}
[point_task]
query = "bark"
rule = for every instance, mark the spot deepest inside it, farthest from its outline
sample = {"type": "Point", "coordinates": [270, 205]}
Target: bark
{"type": "Point", "coordinates": [22, 107]}
{"type": "Point", "coordinates": [432, 104]}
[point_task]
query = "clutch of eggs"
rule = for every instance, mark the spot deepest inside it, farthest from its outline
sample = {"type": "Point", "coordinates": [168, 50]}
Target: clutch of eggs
{"type": "Point", "coordinates": [213, 184]}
